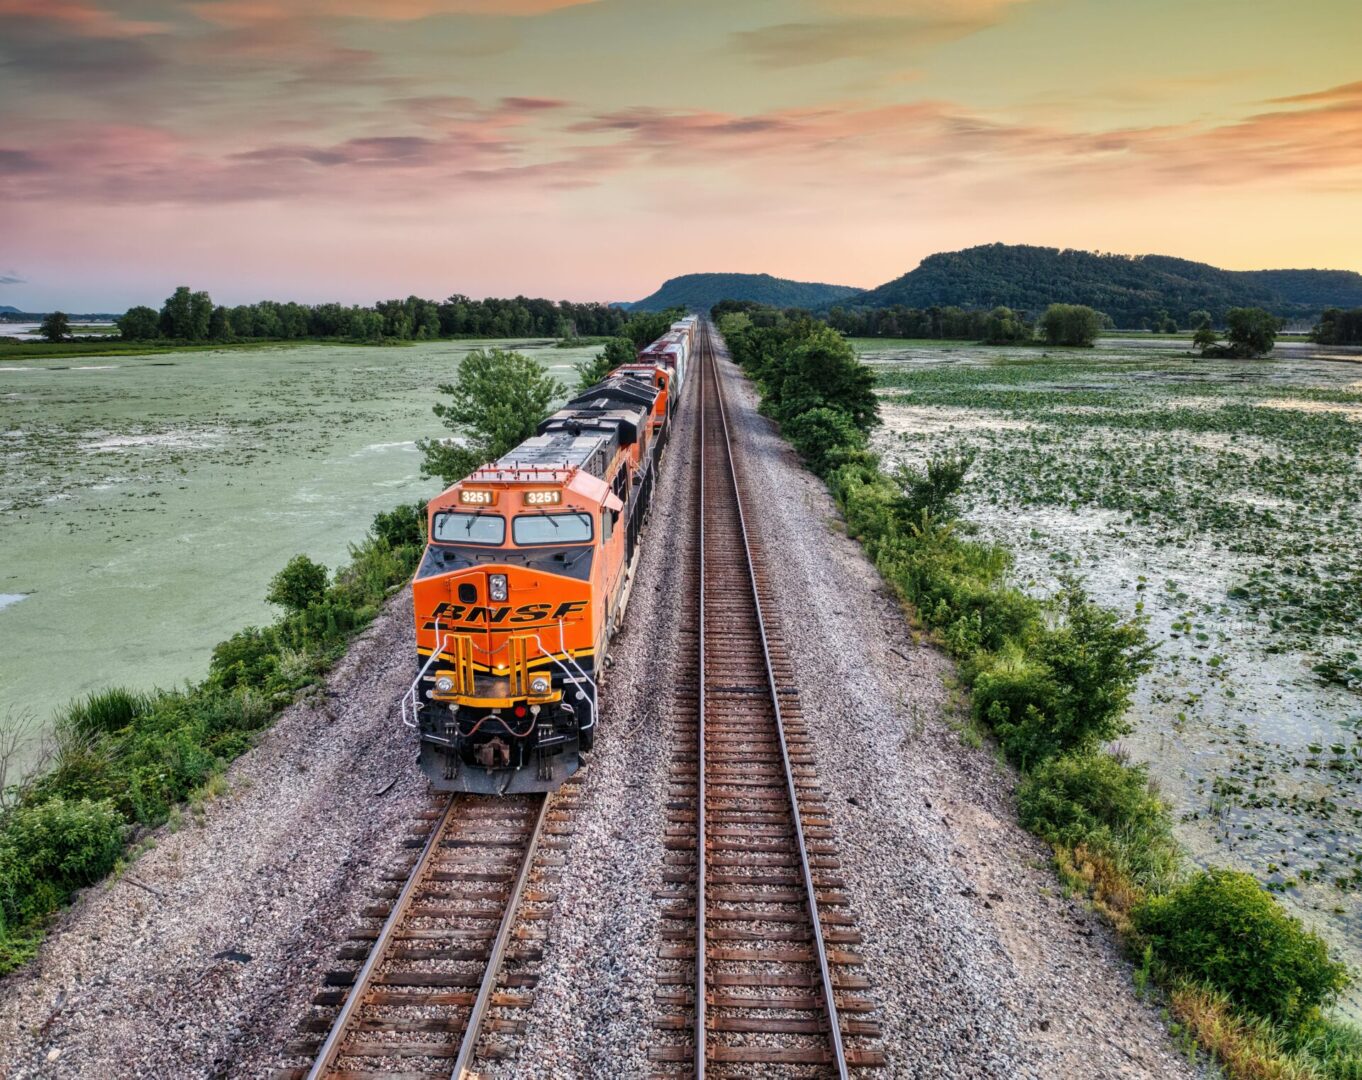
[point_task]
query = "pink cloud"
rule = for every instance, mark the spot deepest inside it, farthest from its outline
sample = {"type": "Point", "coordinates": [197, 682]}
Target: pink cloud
{"type": "Point", "coordinates": [254, 12]}
{"type": "Point", "coordinates": [77, 17]}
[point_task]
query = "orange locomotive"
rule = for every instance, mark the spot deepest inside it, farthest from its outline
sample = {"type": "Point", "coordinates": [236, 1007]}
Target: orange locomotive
{"type": "Point", "coordinates": [524, 581]}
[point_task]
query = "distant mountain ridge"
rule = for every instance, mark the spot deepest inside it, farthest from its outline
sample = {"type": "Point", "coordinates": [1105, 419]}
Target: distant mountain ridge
{"type": "Point", "coordinates": [700, 292]}
{"type": "Point", "coordinates": [1130, 288]}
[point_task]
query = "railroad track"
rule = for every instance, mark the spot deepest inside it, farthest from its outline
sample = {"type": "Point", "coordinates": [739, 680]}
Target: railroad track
{"type": "Point", "coordinates": [757, 970]}
{"type": "Point", "coordinates": [435, 985]}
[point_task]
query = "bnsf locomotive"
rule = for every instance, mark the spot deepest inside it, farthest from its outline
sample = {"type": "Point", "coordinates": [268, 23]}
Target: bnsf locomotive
{"type": "Point", "coordinates": [525, 578]}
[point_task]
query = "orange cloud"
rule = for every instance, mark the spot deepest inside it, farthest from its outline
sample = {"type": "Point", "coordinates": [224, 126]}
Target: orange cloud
{"type": "Point", "coordinates": [1347, 92]}
{"type": "Point", "coordinates": [250, 12]}
{"type": "Point", "coordinates": [77, 17]}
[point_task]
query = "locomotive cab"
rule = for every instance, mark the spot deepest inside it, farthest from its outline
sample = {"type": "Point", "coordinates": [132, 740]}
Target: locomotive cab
{"type": "Point", "coordinates": [515, 600]}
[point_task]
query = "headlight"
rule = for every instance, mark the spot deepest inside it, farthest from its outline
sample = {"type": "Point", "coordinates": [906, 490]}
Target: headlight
{"type": "Point", "coordinates": [496, 587]}
{"type": "Point", "coordinates": [539, 685]}
{"type": "Point", "coordinates": [444, 684]}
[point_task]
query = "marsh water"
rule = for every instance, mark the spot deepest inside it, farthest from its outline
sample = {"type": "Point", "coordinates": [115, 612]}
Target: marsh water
{"type": "Point", "coordinates": [146, 501]}
{"type": "Point", "coordinates": [1178, 489]}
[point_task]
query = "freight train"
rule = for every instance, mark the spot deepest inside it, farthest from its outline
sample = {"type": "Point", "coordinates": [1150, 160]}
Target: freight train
{"type": "Point", "coordinates": [525, 578]}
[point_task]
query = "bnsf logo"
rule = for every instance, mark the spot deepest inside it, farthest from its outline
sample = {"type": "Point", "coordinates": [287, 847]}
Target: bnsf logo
{"type": "Point", "coordinates": [525, 613]}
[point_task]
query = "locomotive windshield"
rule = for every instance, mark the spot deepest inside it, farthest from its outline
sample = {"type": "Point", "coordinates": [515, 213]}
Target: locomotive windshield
{"type": "Point", "coordinates": [472, 528]}
{"type": "Point", "coordinates": [530, 529]}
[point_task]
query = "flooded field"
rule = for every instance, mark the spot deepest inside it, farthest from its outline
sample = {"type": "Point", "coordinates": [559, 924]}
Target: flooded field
{"type": "Point", "coordinates": [147, 501]}
{"type": "Point", "coordinates": [1223, 502]}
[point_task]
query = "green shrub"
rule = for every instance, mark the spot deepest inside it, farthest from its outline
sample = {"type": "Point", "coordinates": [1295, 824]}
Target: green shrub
{"type": "Point", "coordinates": [1097, 801]}
{"type": "Point", "coordinates": [1070, 688]}
{"type": "Point", "coordinates": [247, 658]}
{"type": "Point", "coordinates": [49, 849]}
{"type": "Point", "coordinates": [822, 436]}
{"type": "Point", "coordinates": [403, 526]}
{"type": "Point", "coordinates": [299, 585]}
{"type": "Point", "coordinates": [933, 491]}
{"type": "Point", "coordinates": [1223, 929]}
{"type": "Point", "coordinates": [1069, 798]}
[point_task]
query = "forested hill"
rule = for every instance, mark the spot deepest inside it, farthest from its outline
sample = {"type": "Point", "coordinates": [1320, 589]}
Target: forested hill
{"type": "Point", "coordinates": [700, 292]}
{"type": "Point", "coordinates": [1129, 288]}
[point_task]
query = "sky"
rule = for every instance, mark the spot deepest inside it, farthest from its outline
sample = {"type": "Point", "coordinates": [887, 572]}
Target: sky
{"type": "Point", "coordinates": [356, 150]}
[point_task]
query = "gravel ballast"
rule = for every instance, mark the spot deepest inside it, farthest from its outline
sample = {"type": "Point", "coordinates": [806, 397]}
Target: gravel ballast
{"type": "Point", "coordinates": [980, 967]}
{"type": "Point", "coordinates": [201, 959]}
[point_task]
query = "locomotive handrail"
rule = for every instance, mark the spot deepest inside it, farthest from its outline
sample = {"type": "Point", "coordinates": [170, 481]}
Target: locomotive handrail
{"type": "Point", "coordinates": [441, 643]}
{"type": "Point", "coordinates": [567, 672]}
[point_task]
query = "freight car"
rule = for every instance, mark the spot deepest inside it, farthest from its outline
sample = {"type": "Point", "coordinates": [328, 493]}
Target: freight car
{"type": "Point", "coordinates": [525, 579]}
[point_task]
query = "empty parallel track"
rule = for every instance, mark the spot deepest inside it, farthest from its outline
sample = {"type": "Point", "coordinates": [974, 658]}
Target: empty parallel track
{"type": "Point", "coordinates": [756, 937]}
{"type": "Point", "coordinates": [435, 947]}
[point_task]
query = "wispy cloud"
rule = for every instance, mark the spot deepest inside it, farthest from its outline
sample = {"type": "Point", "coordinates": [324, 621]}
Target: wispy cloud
{"type": "Point", "coordinates": [864, 29]}
{"type": "Point", "coordinates": [78, 17]}
{"type": "Point", "coordinates": [1347, 92]}
{"type": "Point", "coordinates": [12, 277]}
{"type": "Point", "coordinates": [254, 12]}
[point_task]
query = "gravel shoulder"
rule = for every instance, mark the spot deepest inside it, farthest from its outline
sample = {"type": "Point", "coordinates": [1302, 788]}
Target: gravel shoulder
{"type": "Point", "coordinates": [201, 959]}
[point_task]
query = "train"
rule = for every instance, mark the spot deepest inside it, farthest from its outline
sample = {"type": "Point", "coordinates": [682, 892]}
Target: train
{"type": "Point", "coordinates": [526, 576]}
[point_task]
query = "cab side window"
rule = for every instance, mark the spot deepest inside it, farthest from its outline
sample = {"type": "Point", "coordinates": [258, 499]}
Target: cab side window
{"type": "Point", "coordinates": [607, 526]}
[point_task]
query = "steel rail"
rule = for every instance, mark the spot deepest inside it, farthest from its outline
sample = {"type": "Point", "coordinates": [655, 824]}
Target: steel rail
{"type": "Point", "coordinates": [701, 977]}
{"type": "Point", "coordinates": [473, 1027]}
{"type": "Point", "coordinates": [829, 995]}
{"type": "Point", "coordinates": [335, 1038]}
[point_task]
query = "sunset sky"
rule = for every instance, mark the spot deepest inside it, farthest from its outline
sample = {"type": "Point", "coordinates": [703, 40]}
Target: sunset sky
{"type": "Point", "coordinates": [587, 149]}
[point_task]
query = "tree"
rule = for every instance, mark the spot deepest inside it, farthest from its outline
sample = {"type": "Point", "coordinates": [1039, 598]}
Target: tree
{"type": "Point", "coordinates": [1199, 318]}
{"type": "Point", "coordinates": [299, 585]}
{"type": "Point", "coordinates": [645, 327]}
{"type": "Point", "coordinates": [496, 402]}
{"type": "Point", "coordinates": [1338, 327]}
{"type": "Point", "coordinates": [200, 316]}
{"type": "Point", "coordinates": [1070, 324]}
{"type": "Point", "coordinates": [617, 351]}
{"type": "Point", "coordinates": [1252, 332]}
{"type": "Point", "coordinates": [823, 372]}
{"type": "Point", "coordinates": [823, 437]}
{"type": "Point", "coordinates": [139, 323]}
{"type": "Point", "coordinates": [220, 324]}
{"type": "Point", "coordinates": [1204, 338]}
{"type": "Point", "coordinates": [176, 317]}
{"type": "Point", "coordinates": [1003, 326]}
{"type": "Point", "coordinates": [365, 325]}
{"type": "Point", "coordinates": [56, 326]}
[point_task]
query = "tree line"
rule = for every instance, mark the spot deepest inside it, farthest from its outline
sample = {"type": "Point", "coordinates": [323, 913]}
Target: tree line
{"type": "Point", "coordinates": [1338, 327]}
{"type": "Point", "coordinates": [1250, 331]}
{"type": "Point", "coordinates": [191, 316]}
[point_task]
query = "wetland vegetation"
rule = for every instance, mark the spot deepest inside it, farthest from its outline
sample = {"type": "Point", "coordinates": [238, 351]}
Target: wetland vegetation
{"type": "Point", "coordinates": [1060, 654]}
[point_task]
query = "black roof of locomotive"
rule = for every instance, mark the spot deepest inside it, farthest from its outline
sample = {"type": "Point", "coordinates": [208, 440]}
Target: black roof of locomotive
{"type": "Point", "coordinates": [616, 392]}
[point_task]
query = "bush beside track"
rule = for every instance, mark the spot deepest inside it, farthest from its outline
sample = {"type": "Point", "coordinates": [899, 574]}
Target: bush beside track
{"type": "Point", "coordinates": [1051, 679]}
{"type": "Point", "coordinates": [122, 762]}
